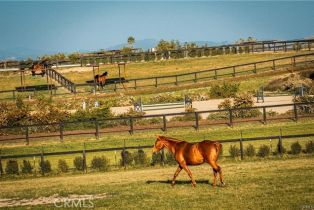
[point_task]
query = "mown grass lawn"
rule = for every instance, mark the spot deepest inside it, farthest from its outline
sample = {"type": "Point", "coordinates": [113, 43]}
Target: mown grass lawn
{"type": "Point", "coordinates": [261, 184]}
{"type": "Point", "coordinates": [177, 66]}
{"type": "Point", "coordinates": [148, 138]}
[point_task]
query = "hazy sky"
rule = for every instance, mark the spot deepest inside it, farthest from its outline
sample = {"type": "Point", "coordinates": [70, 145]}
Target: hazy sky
{"type": "Point", "coordinates": [70, 26]}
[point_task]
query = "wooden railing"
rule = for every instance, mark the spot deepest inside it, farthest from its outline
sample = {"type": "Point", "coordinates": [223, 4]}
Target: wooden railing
{"type": "Point", "coordinates": [61, 80]}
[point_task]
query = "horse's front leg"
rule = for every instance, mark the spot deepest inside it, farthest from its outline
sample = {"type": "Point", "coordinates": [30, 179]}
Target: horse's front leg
{"type": "Point", "coordinates": [190, 174]}
{"type": "Point", "coordinates": [175, 175]}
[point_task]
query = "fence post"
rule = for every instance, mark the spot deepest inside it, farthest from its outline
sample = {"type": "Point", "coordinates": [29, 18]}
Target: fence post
{"type": "Point", "coordinates": [135, 86]}
{"type": "Point", "coordinates": [42, 159]}
{"type": "Point", "coordinates": [115, 86]}
{"type": "Point", "coordinates": [195, 77]}
{"type": "Point", "coordinates": [27, 135]}
{"type": "Point", "coordinates": [176, 83]}
{"type": "Point", "coordinates": [131, 125]}
{"type": "Point", "coordinates": [295, 110]}
{"type": "Point", "coordinates": [215, 74]}
{"type": "Point", "coordinates": [264, 115]}
{"type": "Point", "coordinates": [1, 169]}
{"type": "Point", "coordinates": [163, 157]}
{"type": "Point", "coordinates": [61, 131]}
{"type": "Point", "coordinates": [156, 81]}
{"type": "Point", "coordinates": [230, 117]}
{"type": "Point", "coordinates": [274, 66]}
{"type": "Point", "coordinates": [123, 155]}
{"type": "Point", "coordinates": [84, 159]}
{"type": "Point", "coordinates": [254, 71]}
{"type": "Point", "coordinates": [164, 123]}
{"type": "Point", "coordinates": [280, 143]}
{"type": "Point", "coordinates": [234, 72]}
{"type": "Point", "coordinates": [97, 129]}
{"type": "Point", "coordinates": [241, 146]}
{"type": "Point", "coordinates": [196, 121]}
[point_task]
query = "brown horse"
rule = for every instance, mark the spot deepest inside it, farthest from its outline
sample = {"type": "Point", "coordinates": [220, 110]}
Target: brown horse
{"type": "Point", "coordinates": [101, 79]}
{"type": "Point", "coordinates": [39, 68]}
{"type": "Point", "coordinates": [191, 154]}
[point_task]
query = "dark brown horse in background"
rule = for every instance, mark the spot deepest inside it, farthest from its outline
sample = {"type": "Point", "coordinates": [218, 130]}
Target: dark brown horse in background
{"type": "Point", "coordinates": [101, 79]}
{"type": "Point", "coordinates": [39, 68]}
{"type": "Point", "coordinates": [191, 154]}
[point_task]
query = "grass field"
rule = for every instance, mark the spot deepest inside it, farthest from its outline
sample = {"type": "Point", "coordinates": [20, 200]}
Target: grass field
{"type": "Point", "coordinates": [177, 66]}
{"type": "Point", "coordinates": [148, 138]}
{"type": "Point", "coordinates": [263, 184]}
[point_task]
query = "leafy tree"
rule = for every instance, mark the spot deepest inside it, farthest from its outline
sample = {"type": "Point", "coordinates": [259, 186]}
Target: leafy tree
{"type": "Point", "coordinates": [74, 56]}
{"type": "Point", "coordinates": [131, 41]}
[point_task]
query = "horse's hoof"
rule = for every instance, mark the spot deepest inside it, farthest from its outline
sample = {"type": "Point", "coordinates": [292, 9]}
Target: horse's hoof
{"type": "Point", "coordinates": [223, 184]}
{"type": "Point", "coordinates": [173, 184]}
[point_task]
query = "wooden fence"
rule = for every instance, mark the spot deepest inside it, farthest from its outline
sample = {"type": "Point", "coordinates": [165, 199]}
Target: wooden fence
{"type": "Point", "coordinates": [84, 152]}
{"type": "Point", "coordinates": [131, 124]}
{"type": "Point", "coordinates": [260, 46]}
{"type": "Point", "coordinates": [61, 80]}
{"type": "Point", "coordinates": [210, 74]}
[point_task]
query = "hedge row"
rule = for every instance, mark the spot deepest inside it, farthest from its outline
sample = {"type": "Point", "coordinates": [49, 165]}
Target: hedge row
{"type": "Point", "coordinates": [264, 150]}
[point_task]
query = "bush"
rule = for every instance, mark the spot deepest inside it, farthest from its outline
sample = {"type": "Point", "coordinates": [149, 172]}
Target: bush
{"type": "Point", "coordinates": [27, 167]}
{"type": "Point", "coordinates": [296, 148]}
{"type": "Point", "coordinates": [78, 163]}
{"type": "Point", "coordinates": [45, 166]}
{"type": "Point", "coordinates": [263, 151]}
{"type": "Point", "coordinates": [309, 147]}
{"type": "Point", "coordinates": [250, 151]}
{"type": "Point", "coordinates": [63, 166]}
{"type": "Point", "coordinates": [127, 157]}
{"type": "Point", "coordinates": [283, 149]}
{"type": "Point", "coordinates": [140, 157]}
{"type": "Point", "coordinates": [100, 163]}
{"type": "Point", "coordinates": [156, 158]}
{"type": "Point", "coordinates": [12, 167]}
{"type": "Point", "coordinates": [225, 90]}
{"type": "Point", "coordinates": [234, 151]}
{"type": "Point", "coordinates": [170, 160]}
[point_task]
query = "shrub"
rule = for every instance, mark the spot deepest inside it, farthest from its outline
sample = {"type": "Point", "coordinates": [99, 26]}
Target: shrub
{"type": "Point", "coordinates": [170, 160]}
{"type": "Point", "coordinates": [240, 101]}
{"type": "Point", "coordinates": [234, 151]}
{"type": "Point", "coordinates": [26, 167]}
{"type": "Point", "coordinates": [45, 166]}
{"type": "Point", "coordinates": [156, 158]}
{"type": "Point", "coordinates": [78, 163]}
{"type": "Point", "coordinates": [296, 148]}
{"type": "Point", "coordinates": [250, 151]}
{"type": "Point", "coordinates": [283, 149]}
{"type": "Point", "coordinates": [263, 151]}
{"type": "Point", "coordinates": [225, 90]}
{"type": "Point", "coordinates": [127, 157]}
{"type": "Point", "coordinates": [309, 147]}
{"type": "Point", "coordinates": [63, 166]}
{"type": "Point", "coordinates": [12, 167]}
{"type": "Point", "coordinates": [100, 163]}
{"type": "Point", "coordinates": [140, 157]}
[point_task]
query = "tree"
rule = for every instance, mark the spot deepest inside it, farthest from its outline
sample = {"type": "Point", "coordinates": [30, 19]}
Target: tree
{"type": "Point", "coordinates": [74, 56]}
{"type": "Point", "coordinates": [131, 41]}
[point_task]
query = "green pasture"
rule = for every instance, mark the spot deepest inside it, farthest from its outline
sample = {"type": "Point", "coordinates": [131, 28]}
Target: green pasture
{"type": "Point", "coordinates": [148, 138]}
{"type": "Point", "coordinates": [279, 183]}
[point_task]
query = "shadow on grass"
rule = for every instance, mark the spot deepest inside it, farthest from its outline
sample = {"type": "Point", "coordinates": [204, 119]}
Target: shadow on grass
{"type": "Point", "coordinates": [200, 181]}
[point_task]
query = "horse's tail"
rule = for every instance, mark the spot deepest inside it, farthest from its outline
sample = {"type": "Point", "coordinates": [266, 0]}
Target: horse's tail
{"type": "Point", "coordinates": [218, 147]}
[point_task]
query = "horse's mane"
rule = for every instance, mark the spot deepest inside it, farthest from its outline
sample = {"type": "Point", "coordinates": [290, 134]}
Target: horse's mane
{"type": "Point", "coordinates": [170, 138]}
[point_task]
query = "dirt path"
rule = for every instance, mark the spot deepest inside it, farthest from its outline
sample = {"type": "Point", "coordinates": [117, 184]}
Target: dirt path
{"type": "Point", "coordinates": [58, 201]}
{"type": "Point", "coordinates": [213, 105]}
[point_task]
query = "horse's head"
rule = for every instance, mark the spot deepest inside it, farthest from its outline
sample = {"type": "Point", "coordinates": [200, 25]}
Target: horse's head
{"type": "Point", "coordinates": [159, 144]}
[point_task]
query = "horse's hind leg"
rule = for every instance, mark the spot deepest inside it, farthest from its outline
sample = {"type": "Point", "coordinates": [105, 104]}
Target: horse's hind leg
{"type": "Point", "coordinates": [216, 169]}
{"type": "Point", "coordinates": [175, 175]}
